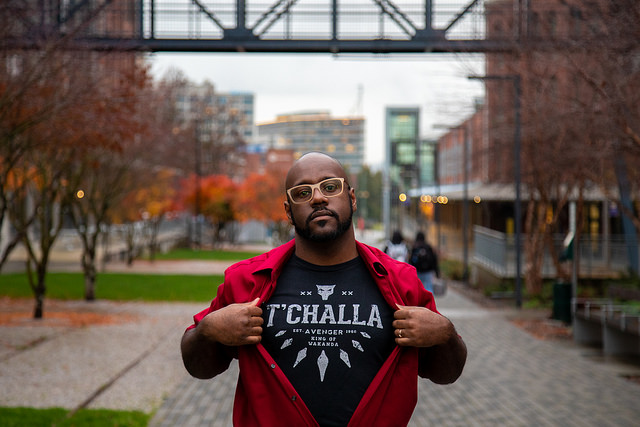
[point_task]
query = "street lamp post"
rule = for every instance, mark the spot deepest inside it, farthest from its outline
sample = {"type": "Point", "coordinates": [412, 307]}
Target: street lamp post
{"type": "Point", "coordinates": [198, 171]}
{"type": "Point", "coordinates": [465, 204]}
{"type": "Point", "coordinates": [515, 79]}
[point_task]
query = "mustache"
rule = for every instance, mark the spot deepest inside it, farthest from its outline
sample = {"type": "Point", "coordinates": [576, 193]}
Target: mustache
{"type": "Point", "coordinates": [320, 212]}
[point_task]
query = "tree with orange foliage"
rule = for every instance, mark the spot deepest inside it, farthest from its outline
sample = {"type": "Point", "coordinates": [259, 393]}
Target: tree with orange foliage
{"type": "Point", "coordinates": [40, 136]}
{"type": "Point", "coordinates": [108, 147]}
{"type": "Point", "coordinates": [210, 197]}
{"type": "Point", "coordinates": [143, 209]}
{"type": "Point", "coordinates": [158, 199]}
{"type": "Point", "coordinates": [65, 118]}
{"type": "Point", "coordinates": [34, 92]}
{"type": "Point", "coordinates": [55, 106]}
{"type": "Point", "coordinates": [128, 216]}
{"type": "Point", "coordinates": [37, 209]}
{"type": "Point", "coordinates": [99, 186]}
{"type": "Point", "coordinates": [261, 198]}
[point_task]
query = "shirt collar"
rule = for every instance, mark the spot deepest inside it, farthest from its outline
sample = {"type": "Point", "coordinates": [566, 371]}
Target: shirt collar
{"type": "Point", "coordinates": [280, 255]}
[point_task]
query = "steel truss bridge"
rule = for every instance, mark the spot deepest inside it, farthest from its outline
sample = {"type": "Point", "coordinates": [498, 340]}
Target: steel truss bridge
{"type": "Point", "coordinates": [330, 26]}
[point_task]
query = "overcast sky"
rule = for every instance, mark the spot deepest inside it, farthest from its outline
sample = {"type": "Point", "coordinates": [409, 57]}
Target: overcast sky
{"type": "Point", "coordinates": [286, 83]}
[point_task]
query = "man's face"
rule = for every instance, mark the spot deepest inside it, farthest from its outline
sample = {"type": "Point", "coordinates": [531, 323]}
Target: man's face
{"type": "Point", "coordinates": [322, 223]}
{"type": "Point", "coordinates": [322, 218]}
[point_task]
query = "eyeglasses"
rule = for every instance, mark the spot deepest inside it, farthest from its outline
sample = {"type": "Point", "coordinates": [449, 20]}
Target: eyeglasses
{"type": "Point", "coordinates": [331, 187]}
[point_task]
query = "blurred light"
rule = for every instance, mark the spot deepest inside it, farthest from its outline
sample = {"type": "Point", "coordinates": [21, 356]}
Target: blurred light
{"type": "Point", "coordinates": [477, 199]}
{"type": "Point", "coordinates": [549, 215]}
{"type": "Point", "coordinates": [425, 198]}
{"type": "Point", "coordinates": [80, 194]}
{"type": "Point", "coordinates": [402, 197]}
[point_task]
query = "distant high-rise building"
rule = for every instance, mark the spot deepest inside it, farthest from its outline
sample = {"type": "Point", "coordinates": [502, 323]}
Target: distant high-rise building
{"type": "Point", "coordinates": [201, 101]}
{"type": "Point", "coordinates": [223, 123]}
{"type": "Point", "coordinates": [340, 137]}
{"type": "Point", "coordinates": [403, 147]}
{"type": "Point", "coordinates": [402, 166]}
{"type": "Point", "coordinates": [240, 104]}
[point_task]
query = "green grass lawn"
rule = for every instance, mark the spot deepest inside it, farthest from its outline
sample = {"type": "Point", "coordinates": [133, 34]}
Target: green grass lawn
{"type": "Point", "coordinates": [206, 255]}
{"type": "Point", "coordinates": [118, 286]}
{"type": "Point", "coordinates": [20, 417]}
{"type": "Point", "coordinates": [132, 286]}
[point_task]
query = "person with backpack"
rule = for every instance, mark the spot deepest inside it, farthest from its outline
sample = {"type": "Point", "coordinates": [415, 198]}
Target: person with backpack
{"type": "Point", "coordinates": [396, 248]}
{"type": "Point", "coordinates": [425, 260]}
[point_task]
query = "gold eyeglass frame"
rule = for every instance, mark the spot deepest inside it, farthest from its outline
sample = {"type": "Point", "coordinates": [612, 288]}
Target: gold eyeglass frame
{"type": "Point", "coordinates": [314, 187]}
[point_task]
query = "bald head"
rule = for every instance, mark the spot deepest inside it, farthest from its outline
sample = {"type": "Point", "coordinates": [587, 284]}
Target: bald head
{"type": "Point", "coordinates": [324, 223]}
{"type": "Point", "coordinates": [314, 167]}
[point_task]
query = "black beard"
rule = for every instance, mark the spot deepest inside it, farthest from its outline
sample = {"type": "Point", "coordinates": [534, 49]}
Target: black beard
{"type": "Point", "coordinates": [307, 234]}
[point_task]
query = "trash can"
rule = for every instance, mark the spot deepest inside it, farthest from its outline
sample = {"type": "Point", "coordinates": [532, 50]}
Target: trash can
{"type": "Point", "coordinates": [562, 302]}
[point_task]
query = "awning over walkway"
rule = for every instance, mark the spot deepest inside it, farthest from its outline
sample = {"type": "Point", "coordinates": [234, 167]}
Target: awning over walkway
{"type": "Point", "coordinates": [494, 192]}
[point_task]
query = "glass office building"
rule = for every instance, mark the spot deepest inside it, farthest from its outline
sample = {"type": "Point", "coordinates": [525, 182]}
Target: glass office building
{"type": "Point", "coordinates": [340, 137]}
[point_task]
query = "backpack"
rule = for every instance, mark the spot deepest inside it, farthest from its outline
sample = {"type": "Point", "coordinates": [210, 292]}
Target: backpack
{"type": "Point", "coordinates": [423, 258]}
{"type": "Point", "coordinates": [398, 252]}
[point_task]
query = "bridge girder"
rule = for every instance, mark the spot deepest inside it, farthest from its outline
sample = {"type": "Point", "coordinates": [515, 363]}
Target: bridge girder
{"type": "Point", "coordinates": [287, 26]}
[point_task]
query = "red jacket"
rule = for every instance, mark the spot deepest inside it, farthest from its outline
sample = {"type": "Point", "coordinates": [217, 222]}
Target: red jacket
{"type": "Point", "coordinates": [265, 397]}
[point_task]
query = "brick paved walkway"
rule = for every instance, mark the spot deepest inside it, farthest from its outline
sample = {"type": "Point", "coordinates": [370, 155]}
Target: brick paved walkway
{"type": "Point", "coordinates": [511, 379]}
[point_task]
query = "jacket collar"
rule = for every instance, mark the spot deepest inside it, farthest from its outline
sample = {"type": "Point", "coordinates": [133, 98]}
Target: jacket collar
{"type": "Point", "coordinates": [273, 261]}
{"type": "Point", "coordinates": [372, 260]}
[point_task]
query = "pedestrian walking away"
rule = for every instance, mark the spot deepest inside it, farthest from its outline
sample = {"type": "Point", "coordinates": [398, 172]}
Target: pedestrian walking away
{"type": "Point", "coordinates": [327, 331]}
{"type": "Point", "coordinates": [425, 260]}
{"type": "Point", "coordinates": [396, 248]}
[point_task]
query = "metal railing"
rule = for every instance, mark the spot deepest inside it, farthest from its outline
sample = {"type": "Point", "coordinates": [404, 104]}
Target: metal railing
{"type": "Point", "coordinates": [600, 256]}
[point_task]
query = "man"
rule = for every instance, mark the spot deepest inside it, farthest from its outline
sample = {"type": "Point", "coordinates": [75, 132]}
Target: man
{"type": "Point", "coordinates": [327, 331]}
{"type": "Point", "coordinates": [425, 260]}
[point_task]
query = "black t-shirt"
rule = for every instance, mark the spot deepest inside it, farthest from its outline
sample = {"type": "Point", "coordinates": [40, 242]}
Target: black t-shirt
{"type": "Point", "coordinates": [329, 329]}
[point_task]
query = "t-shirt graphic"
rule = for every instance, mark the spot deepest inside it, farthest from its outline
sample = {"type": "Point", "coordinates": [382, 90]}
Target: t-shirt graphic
{"type": "Point", "coordinates": [329, 330]}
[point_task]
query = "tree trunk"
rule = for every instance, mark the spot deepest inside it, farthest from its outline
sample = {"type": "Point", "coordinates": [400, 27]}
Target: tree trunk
{"type": "Point", "coordinates": [130, 241]}
{"type": "Point", "coordinates": [90, 273]}
{"type": "Point", "coordinates": [40, 289]}
{"type": "Point", "coordinates": [153, 238]}
{"type": "Point", "coordinates": [534, 252]}
{"type": "Point", "coordinates": [38, 309]}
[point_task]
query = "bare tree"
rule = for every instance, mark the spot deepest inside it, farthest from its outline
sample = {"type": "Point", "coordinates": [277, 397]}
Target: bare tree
{"type": "Point", "coordinates": [109, 146]}
{"type": "Point", "coordinates": [37, 211]}
{"type": "Point", "coordinates": [579, 67]}
{"type": "Point", "coordinates": [607, 69]}
{"type": "Point", "coordinates": [45, 99]}
{"type": "Point", "coordinates": [36, 85]}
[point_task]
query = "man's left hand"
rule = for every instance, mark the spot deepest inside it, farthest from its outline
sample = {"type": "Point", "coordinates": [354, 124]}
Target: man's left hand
{"type": "Point", "coordinates": [421, 327]}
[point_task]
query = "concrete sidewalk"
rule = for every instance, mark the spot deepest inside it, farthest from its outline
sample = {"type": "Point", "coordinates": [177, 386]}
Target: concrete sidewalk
{"type": "Point", "coordinates": [121, 355]}
{"type": "Point", "coordinates": [125, 355]}
{"type": "Point", "coordinates": [511, 379]}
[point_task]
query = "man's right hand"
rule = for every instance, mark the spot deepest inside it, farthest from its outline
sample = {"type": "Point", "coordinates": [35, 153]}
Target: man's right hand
{"type": "Point", "coordinates": [233, 325]}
